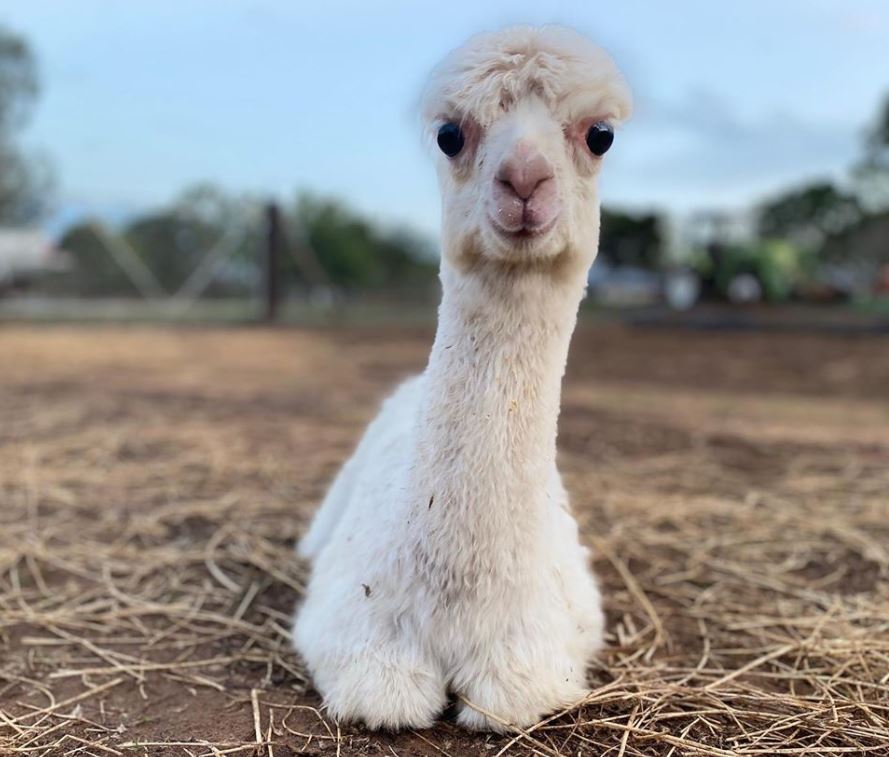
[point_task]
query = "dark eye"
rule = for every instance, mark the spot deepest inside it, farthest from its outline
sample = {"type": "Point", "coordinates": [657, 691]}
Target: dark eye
{"type": "Point", "coordinates": [450, 139]}
{"type": "Point", "coordinates": [599, 138]}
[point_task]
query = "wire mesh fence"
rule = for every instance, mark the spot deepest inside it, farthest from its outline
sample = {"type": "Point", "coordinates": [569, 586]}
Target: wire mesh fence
{"type": "Point", "coordinates": [254, 261]}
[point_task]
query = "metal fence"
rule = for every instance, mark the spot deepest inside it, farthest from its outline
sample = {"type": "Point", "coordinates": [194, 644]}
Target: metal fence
{"type": "Point", "coordinates": [260, 228]}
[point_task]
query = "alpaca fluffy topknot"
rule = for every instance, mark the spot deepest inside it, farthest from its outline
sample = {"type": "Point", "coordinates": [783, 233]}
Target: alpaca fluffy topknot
{"type": "Point", "coordinates": [492, 71]}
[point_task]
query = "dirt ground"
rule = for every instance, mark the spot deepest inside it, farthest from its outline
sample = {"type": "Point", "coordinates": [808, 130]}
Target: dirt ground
{"type": "Point", "coordinates": [735, 488]}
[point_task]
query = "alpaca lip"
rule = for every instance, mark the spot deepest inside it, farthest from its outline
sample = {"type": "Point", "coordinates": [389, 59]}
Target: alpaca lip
{"type": "Point", "coordinates": [524, 231]}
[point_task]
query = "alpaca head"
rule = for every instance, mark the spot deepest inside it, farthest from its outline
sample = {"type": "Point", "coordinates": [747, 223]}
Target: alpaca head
{"type": "Point", "coordinates": [522, 119]}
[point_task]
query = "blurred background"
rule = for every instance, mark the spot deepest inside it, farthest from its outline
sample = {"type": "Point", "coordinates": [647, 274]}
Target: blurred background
{"type": "Point", "coordinates": [261, 159]}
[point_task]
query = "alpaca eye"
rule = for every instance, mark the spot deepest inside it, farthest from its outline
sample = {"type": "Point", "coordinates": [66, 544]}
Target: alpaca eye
{"type": "Point", "coordinates": [450, 139]}
{"type": "Point", "coordinates": [599, 138]}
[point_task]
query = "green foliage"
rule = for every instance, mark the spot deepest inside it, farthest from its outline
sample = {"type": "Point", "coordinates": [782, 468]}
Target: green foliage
{"type": "Point", "coordinates": [94, 272]}
{"type": "Point", "coordinates": [24, 181]}
{"type": "Point", "coordinates": [170, 244]}
{"type": "Point", "coordinates": [779, 266]}
{"type": "Point", "coordinates": [878, 138]}
{"type": "Point", "coordinates": [631, 239]}
{"type": "Point", "coordinates": [18, 80]}
{"type": "Point", "coordinates": [213, 207]}
{"type": "Point", "coordinates": [356, 253]}
{"type": "Point", "coordinates": [872, 173]}
{"type": "Point", "coordinates": [809, 214]}
{"type": "Point", "coordinates": [864, 246]}
{"type": "Point", "coordinates": [327, 243]}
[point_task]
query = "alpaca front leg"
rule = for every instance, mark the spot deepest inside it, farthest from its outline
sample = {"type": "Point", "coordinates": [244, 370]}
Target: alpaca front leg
{"type": "Point", "coordinates": [364, 669]}
{"type": "Point", "coordinates": [532, 671]}
{"type": "Point", "coordinates": [499, 696]}
{"type": "Point", "coordinates": [381, 690]}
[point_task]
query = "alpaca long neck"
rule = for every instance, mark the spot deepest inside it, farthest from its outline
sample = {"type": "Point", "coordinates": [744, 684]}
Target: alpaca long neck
{"type": "Point", "coordinates": [487, 426]}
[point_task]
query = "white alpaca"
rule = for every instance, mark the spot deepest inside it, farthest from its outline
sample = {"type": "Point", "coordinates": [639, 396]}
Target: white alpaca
{"type": "Point", "coordinates": [445, 557]}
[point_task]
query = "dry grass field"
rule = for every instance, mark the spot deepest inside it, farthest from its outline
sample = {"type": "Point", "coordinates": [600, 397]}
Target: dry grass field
{"type": "Point", "coordinates": [153, 482]}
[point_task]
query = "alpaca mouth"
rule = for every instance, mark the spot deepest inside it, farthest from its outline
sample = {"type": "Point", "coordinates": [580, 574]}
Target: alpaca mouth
{"type": "Point", "coordinates": [524, 232]}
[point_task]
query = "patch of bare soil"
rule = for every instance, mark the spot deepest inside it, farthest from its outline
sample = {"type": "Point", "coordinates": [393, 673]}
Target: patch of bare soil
{"type": "Point", "coordinates": [735, 488]}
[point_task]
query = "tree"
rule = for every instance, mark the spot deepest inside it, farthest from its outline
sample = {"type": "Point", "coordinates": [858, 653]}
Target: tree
{"type": "Point", "coordinates": [860, 244]}
{"type": "Point", "coordinates": [810, 214]}
{"type": "Point", "coordinates": [862, 248]}
{"type": "Point", "coordinates": [205, 237]}
{"type": "Point", "coordinates": [24, 180]}
{"type": "Point", "coordinates": [213, 206]}
{"type": "Point", "coordinates": [94, 272]}
{"type": "Point", "coordinates": [357, 253]}
{"type": "Point", "coordinates": [872, 173]}
{"type": "Point", "coordinates": [631, 239]}
{"type": "Point", "coordinates": [182, 240]}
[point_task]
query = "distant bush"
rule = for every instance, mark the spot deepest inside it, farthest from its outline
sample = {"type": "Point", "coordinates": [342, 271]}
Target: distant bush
{"type": "Point", "coordinates": [93, 272]}
{"type": "Point", "coordinates": [356, 253]}
{"type": "Point", "coordinates": [635, 239]}
{"type": "Point", "coordinates": [326, 243]}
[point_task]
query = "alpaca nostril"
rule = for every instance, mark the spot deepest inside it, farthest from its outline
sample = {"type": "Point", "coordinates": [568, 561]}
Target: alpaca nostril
{"type": "Point", "coordinates": [523, 190]}
{"type": "Point", "coordinates": [522, 174]}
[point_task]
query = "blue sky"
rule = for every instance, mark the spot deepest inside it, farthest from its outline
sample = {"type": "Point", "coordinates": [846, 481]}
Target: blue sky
{"type": "Point", "coordinates": [734, 99]}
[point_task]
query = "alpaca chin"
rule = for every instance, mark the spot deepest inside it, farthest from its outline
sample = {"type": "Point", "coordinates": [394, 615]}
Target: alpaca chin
{"type": "Point", "coordinates": [525, 245]}
{"type": "Point", "coordinates": [475, 249]}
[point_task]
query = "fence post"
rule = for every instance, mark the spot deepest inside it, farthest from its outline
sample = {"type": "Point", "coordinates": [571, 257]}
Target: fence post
{"type": "Point", "coordinates": [272, 267]}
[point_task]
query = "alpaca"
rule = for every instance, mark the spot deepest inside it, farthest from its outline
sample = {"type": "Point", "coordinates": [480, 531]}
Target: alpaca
{"type": "Point", "coordinates": [445, 558]}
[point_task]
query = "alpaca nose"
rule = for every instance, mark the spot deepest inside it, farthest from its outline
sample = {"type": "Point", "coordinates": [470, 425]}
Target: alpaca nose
{"type": "Point", "coordinates": [523, 171]}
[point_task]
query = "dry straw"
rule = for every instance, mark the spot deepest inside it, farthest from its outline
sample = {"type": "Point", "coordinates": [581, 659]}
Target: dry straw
{"type": "Point", "coordinates": [149, 503]}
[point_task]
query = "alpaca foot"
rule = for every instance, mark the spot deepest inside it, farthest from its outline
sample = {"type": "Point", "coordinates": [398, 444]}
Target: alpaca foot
{"type": "Point", "coordinates": [383, 693]}
{"type": "Point", "coordinates": [499, 701]}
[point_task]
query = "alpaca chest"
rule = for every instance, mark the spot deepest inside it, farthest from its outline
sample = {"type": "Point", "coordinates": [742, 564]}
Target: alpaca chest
{"type": "Point", "coordinates": [479, 543]}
